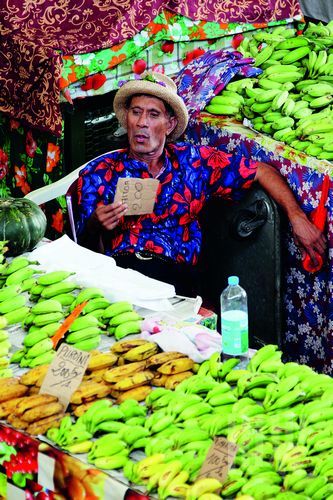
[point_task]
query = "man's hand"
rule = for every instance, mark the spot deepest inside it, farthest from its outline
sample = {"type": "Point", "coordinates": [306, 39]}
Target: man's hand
{"type": "Point", "coordinates": [308, 237]}
{"type": "Point", "coordinates": [107, 216]}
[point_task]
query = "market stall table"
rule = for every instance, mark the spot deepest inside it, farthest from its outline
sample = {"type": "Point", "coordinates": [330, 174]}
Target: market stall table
{"type": "Point", "coordinates": [308, 301]}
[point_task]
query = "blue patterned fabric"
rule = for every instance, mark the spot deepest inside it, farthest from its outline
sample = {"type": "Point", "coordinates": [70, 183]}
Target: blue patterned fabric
{"type": "Point", "coordinates": [190, 176]}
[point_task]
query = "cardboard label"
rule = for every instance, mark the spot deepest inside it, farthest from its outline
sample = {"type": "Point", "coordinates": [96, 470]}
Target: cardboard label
{"type": "Point", "coordinates": [138, 194]}
{"type": "Point", "coordinates": [65, 373]}
{"type": "Point", "coordinates": [46, 466]}
{"type": "Point", "coordinates": [220, 458]}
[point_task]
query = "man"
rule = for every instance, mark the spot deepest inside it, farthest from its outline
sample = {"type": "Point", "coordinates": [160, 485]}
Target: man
{"type": "Point", "coordinates": [166, 243]}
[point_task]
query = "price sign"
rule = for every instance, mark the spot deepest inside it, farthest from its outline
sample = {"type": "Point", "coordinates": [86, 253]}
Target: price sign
{"type": "Point", "coordinates": [65, 373]}
{"type": "Point", "coordinates": [139, 194]}
{"type": "Point", "coordinates": [220, 458]}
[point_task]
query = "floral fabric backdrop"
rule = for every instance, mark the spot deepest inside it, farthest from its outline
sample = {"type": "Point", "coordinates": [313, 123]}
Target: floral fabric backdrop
{"type": "Point", "coordinates": [307, 298]}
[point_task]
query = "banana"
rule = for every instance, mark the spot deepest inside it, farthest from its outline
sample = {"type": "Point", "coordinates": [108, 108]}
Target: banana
{"type": "Point", "coordinates": [9, 292]}
{"type": "Point", "coordinates": [226, 100]}
{"type": "Point", "coordinates": [176, 366]}
{"type": "Point", "coordinates": [137, 393]}
{"type": "Point", "coordinates": [47, 318]}
{"type": "Point", "coordinates": [65, 299]}
{"type": "Point", "coordinates": [172, 381]}
{"type": "Point", "coordinates": [128, 328]}
{"type": "Point", "coordinates": [261, 107]}
{"type": "Point", "coordinates": [51, 291]}
{"type": "Point", "coordinates": [34, 337]}
{"type": "Point", "coordinates": [201, 486]}
{"type": "Point", "coordinates": [83, 334]}
{"type": "Point", "coordinates": [101, 360]}
{"type": "Point", "coordinates": [134, 380]}
{"type": "Point", "coordinates": [85, 321]}
{"type": "Point", "coordinates": [53, 277]}
{"type": "Point", "coordinates": [36, 290]}
{"type": "Point", "coordinates": [117, 308]}
{"type": "Point", "coordinates": [141, 352]}
{"type": "Point", "coordinates": [16, 316]}
{"type": "Point", "coordinates": [279, 77]}
{"type": "Point", "coordinates": [320, 102]}
{"type": "Point", "coordinates": [88, 344]}
{"type": "Point", "coordinates": [123, 346]}
{"type": "Point", "coordinates": [106, 445]}
{"type": "Point", "coordinates": [222, 109]}
{"type": "Point", "coordinates": [96, 303]}
{"type": "Point", "coordinates": [17, 277]}
{"type": "Point", "coordinates": [111, 462]}
{"type": "Point", "coordinates": [162, 357]}
{"type": "Point", "coordinates": [124, 318]}
{"type": "Point", "coordinates": [119, 372]}
{"type": "Point", "coordinates": [194, 411]}
{"type": "Point", "coordinates": [12, 304]}
{"type": "Point", "coordinates": [40, 348]}
{"type": "Point", "coordinates": [88, 294]}
{"type": "Point", "coordinates": [47, 306]}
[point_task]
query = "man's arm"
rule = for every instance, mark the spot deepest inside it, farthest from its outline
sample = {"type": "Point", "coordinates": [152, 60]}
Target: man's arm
{"type": "Point", "coordinates": [308, 237]}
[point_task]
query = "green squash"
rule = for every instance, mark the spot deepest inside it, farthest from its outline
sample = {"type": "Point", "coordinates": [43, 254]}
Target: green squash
{"type": "Point", "coordinates": [22, 224]}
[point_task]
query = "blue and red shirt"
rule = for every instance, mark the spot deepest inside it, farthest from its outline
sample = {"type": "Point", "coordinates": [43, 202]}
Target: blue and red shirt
{"type": "Point", "coordinates": [190, 176]}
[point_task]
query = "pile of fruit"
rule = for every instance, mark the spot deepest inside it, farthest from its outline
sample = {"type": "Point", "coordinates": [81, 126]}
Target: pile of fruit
{"type": "Point", "coordinates": [280, 415]}
{"type": "Point", "coordinates": [292, 98]}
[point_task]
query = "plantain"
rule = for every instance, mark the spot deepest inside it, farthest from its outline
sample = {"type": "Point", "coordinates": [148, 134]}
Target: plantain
{"type": "Point", "coordinates": [119, 372]}
{"type": "Point", "coordinates": [133, 381]}
{"type": "Point", "coordinates": [11, 391]}
{"type": "Point", "coordinates": [137, 393]}
{"type": "Point", "coordinates": [176, 366]}
{"type": "Point", "coordinates": [34, 375]}
{"type": "Point", "coordinates": [141, 352]}
{"type": "Point", "coordinates": [123, 346]}
{"type": "Point", "coordinates": [42, 411]}
{"type": "Point", "coordinates": [8, 407]}
{"type": "Point", "coordinates": [101, 361]}
{"type": "Point", "coordinates": [162, 357]}
{"type": "Point", "coordinates": [30, 402]}
{"type": "Point", "coordinates": [90, 390]}
{"type": "Point", "coordinates": [44, 424]}
{"type": "Point", "coordinates": [17, 422]}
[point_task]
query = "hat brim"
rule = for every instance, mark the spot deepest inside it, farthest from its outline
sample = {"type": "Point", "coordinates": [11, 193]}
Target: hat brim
{"type": "Point", "coordinates": [155, 90]}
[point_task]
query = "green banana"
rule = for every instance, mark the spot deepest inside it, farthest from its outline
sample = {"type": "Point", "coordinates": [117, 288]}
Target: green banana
{"type": "Point", "coordinates": [53, 277]}
{"type": "Point", "coordinates": [34, 337]}
{"type": "Point", "coordinates": [65, 299]}
{"type": "Point", "coordinates": [45, 319]}
{"type": "Point", "coordinates": [12, 304]}
{"type": "Point", "coordinates": [36, 290]}
{"type": "Point", "coordinates": [106, 445]}
{"type": "Point", "coordinates": [96, 303]}
{"type": "Point", "coordinates": [58, 288]}
{"type": "Point", "coordinates": [106, 413]}
{"type": "Point", "coordinates": [18, 355]}
{"type": "Point", "coordinates": [88, 344]}
{"type": "Point", "coordinates": [27, 284]}
{"type": "Point", "coordinates": [83, 334]}
{"type": "Point", "coordinates": [44, 358]}
{"type": "Point", "coordinates": [9, 292]}
{"type": "Point", "coordinates": [19, 276]}
{"type": "Point", "coordinates": [117, 308]}
{"type": "Point", "coordinates": [222, 109]}
{"type": "Point", "coordinates": [18, 263]}
{"type": "Point", "coordinates": [47, 306]}
{"type": "Point", "coordinates": [84, 322]}
{"type": "Point", "coordinates": [50, 328]}
{"type": "Point", "coordinates": [128, 328]}
{"type": "Point", "coordinates": [39, 348]}
{"type": "Point", "coordinates": [88, 294]}
{"type": "Point", "coordinates": [17, 315]}
{"type": "Point", "coordinates": [226, 100]}
{"type": "Point", "coordinates": [125, 318]}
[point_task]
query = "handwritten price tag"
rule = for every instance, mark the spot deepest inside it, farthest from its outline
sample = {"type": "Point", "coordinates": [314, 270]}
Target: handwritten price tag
{"type": "Point", "coordinates": [65, 373]}
{"type": "Point", "coordinates": [220, 458]}
{"type": "Point", "coordinates": [139, 194]}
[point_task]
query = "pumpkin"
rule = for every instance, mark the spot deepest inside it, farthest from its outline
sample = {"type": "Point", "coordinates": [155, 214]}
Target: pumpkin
{"type": "Point", "coordinates": [22, 224]}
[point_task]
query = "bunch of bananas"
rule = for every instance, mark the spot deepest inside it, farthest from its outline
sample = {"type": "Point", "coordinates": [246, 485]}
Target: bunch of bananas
{"type": "Point", "coordinates": [291, 100]}
{"type": "Point", "coordinates": [34, 413]}
{"type": "Point", "coordinates": [122, 319]}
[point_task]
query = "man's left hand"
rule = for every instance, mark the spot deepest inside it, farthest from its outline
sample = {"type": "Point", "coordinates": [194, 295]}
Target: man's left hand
{"type": "Point", "coordinates": [308, 237]}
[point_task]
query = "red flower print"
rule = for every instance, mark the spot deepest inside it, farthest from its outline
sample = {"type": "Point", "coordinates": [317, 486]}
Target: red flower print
{"type": "Point", "coordinates": [139, 66]}
{"type": "Point", "coordinates": [4, 167]}
{"type": "Point", "coordinates": [246, 170]}
{"type": "Point", "coordinates": [98, 80]}
{"type": "Point", "coordinates": [215, 157]}
{"type": "Point", "coordinates": [167, 47]}
{"type": "Point", "coordinates": [150, 247]}
{"type": "Point", "coordinates": [58, 221]}
{"type": "Point", "coordinates": [193, 55]}
{"type": "Point", "coordinates": [21, 179]}
{"type": "Point", "coordinates": [30, 145]}
{"type": "Point", "coordinates": [237, 40]}
{"type": "Point", "coordinates": [52, 156]}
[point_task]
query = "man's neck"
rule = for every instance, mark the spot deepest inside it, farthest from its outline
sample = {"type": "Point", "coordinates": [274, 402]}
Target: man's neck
{"type": "Point", "coordinates": [154, 163]}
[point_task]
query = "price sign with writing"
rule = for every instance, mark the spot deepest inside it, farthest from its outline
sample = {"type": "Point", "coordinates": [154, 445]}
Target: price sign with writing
{"type": "Point", "coordinates": [65, 373]}
{"type": "Point", "coordinates": [220, 458]}
{"type": "Point", "coordinates": [139, 194]}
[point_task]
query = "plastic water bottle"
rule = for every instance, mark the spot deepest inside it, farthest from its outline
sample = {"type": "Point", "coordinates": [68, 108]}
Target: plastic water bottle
{"type": "Point", "coordinates": [234, 320]}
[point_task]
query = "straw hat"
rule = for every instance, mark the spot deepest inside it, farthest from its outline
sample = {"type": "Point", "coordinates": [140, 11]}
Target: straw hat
{"type": "Point", "coordinates": [156, 85]}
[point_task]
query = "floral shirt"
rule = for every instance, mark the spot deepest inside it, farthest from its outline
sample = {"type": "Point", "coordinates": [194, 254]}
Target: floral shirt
{"type": "Point", "coordinates": [190, 176]}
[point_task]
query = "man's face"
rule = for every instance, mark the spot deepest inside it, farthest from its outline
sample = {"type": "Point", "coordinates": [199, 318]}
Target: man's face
{"type": "Point", "coordinates": [148, 125]}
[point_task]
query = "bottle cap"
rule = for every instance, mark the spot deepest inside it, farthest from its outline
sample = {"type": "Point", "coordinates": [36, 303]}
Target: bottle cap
{"type": "Point", "coordinates": [233, 280]}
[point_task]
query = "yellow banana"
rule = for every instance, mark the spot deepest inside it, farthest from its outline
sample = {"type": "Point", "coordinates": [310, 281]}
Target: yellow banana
{"type": "Point", "coordinates": [123, 346]}
{"type": "Point", "coordinates": [176, 366]}
{"type": "Point", "coordinates": [119, 372]}
{"type": "Point", "coordinates": [133, 381]}
{"type": "Point", "coordinates": [141, 352]}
